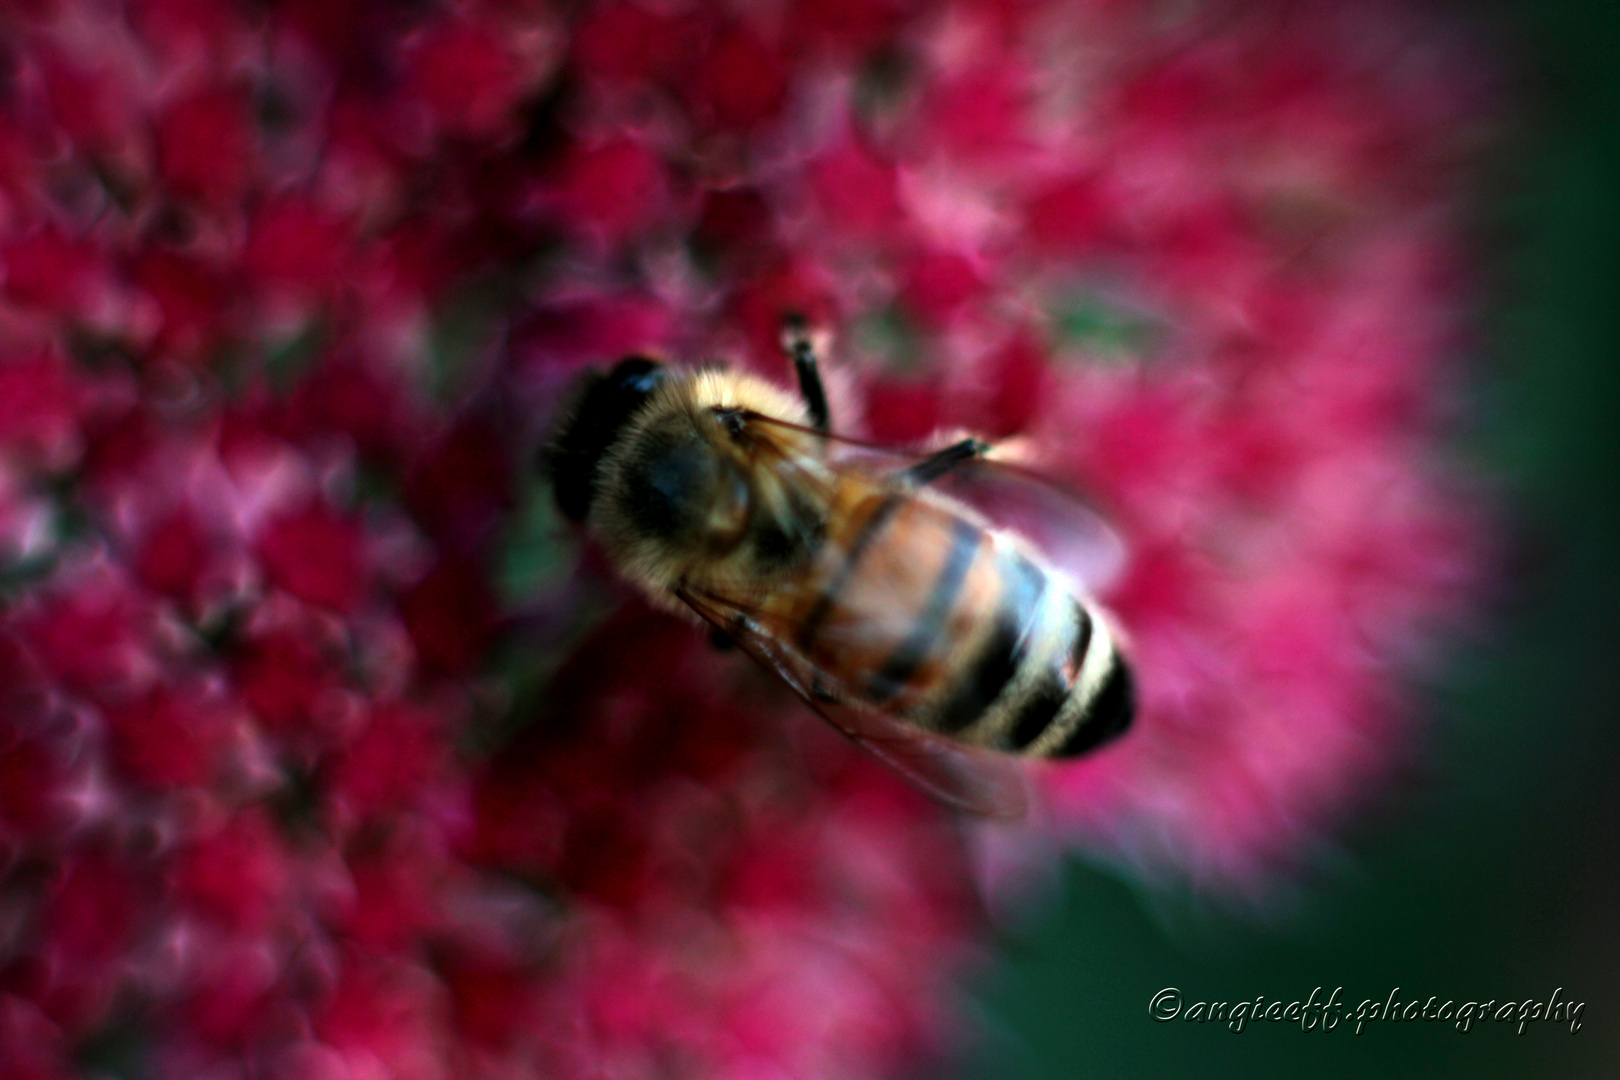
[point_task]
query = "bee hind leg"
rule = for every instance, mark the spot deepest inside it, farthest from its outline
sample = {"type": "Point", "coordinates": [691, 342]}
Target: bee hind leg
{"type": "Point", "coordinates": [797, 341]}
{"type": "Point", "coordinates": [942, 461]}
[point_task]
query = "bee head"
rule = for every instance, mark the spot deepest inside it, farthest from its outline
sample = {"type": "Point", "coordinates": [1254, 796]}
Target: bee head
{"type": "Point", "coordinates": [672, 485]}
{"type": "Point", "coordinates": [606, 406]}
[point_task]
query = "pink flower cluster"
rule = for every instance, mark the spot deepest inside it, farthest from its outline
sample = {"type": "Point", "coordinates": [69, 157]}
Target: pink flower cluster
{"type": "Point", "coordinates": [319, 754]}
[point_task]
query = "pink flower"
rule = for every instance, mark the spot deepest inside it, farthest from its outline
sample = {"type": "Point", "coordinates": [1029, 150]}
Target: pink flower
{"type": "Point", "coordinates": [627, 43]}
{"type": "Point", "coordinates": [193, 303]}
{"type": "Point", "coordinates": [452, 616]}
{"type": "Point", "coordinates": [174, 556]}
{"type": "Point", "coordinates": [94, 635]}
{"type": "Point", "coordinates": [940, 285]}
{"type": "Point", "coordinates": [571, 334]}
{"type": "Point", "coordinates": [392, 763]}
{"type": "Point", "coordinates": [611, 189]}
{"type": "Point", "coordinates": [47, 270]}
{"type": "Point", "coordinates": [96, 906]}
{"type": "Point", "coordinates": [207, 148]}
{"type": "Point", "coordinates": [91, 106]}
{"type": "Point", "coordinates": [284, 674]}
{"type": "Point", "coordinates": [739, 83]}
{"type": "Point", "coordinates": [40, 406]}
{"type": "Point", "coordinates": [294, 246]}
{"type": "Point", "coordinates": [856, 189]}
{"type": "Point", "coordinates": [467, 78]}
{"type": "Point", "coordinates": [170, 738]}
{"type": "Point", "coordinates": [397, 899]}
{"type": "Point", "coordinates": [316, 555]}
{"type": "Point", "coordinates": [239, 875]}
{"type": "Point", "coordinates": [325, 750]}
{"type": "Point", "coordinates": [32, 767]}
{"type": "Point", "coordinates": [381, 1014]}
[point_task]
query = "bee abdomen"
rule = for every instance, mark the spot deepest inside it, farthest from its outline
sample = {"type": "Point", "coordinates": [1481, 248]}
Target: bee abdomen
{"type": "Point", "coordinates": [901, 665]}
{"type": "Point", "coordinates": [1102, 695]}
{"type": "Point", "coordinates": [1005, 650]}
{"type": "Point", "coordinates": [1047, 679]}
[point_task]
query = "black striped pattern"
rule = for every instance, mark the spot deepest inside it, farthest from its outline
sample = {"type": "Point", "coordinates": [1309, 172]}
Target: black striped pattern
{"type": "Point", "coordinates": [1028, 634]}
{"type": "Point", "coordinates": [1108, 715]}
{"type": "Point", "coordinates": [857, 550]}
{"type": "Point", "coordinates": [1004, 650]}
{"type": "Point", "coordinates": [1038, 712]}
{"type": "Point", "coordinates": [1038, 709]}
{"type": "Point", "coordinates": [930, 623]}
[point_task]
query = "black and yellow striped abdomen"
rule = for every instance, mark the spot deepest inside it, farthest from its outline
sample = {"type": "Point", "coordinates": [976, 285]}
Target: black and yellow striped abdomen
{"type": "Point", "coordinates": [919, 609]}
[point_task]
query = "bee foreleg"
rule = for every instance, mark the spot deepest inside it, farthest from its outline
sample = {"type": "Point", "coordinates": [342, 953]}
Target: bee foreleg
{"type": "Point", "coordinates": [796, 340]}
{"type": "Point", "coordinates": [940, 462]}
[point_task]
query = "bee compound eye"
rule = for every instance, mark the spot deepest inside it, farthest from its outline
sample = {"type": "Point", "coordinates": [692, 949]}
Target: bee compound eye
{"type": "Point", "coordinates": [668, 485]}
{"type": "Point", "coordinates": [606, 406]}
{"type": "Point", "coordinates": [636, 376]}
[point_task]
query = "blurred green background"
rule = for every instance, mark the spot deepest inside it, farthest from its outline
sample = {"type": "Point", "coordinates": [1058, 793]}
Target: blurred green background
{"type": "Point", "coordinates": [1496, 872]}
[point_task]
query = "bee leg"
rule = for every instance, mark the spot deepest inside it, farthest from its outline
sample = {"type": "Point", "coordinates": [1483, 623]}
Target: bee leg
{"type": "Point", "coordinates": [796, 340]}
{"type": "Point", "coordinates": [940, 462]}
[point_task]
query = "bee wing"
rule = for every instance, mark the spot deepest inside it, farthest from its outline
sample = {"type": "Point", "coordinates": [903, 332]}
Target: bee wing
{"type": "Point", "coordinates": [963, 777]}
{"type": "Point", "coordinates": [1071, 531]}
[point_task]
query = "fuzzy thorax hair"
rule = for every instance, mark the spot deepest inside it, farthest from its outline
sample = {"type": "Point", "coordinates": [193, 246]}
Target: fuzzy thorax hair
{"type": "Point", "coordinates": [674, 488]}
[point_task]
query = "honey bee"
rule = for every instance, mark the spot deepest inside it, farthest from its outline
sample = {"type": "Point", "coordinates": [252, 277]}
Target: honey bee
{"type": "Point", "coordinates": [942, 643]}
